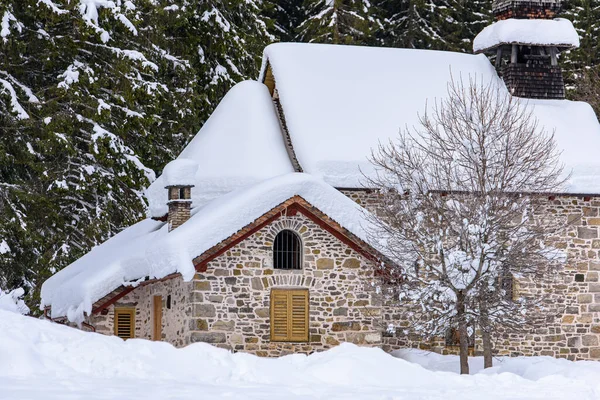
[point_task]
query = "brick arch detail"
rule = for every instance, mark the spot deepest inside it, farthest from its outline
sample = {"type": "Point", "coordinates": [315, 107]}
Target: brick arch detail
{"type": "Point", "coordinates": [283, 224]}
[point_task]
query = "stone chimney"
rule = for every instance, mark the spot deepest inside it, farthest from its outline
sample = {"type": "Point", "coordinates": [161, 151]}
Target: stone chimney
{"type": "Point", "coordinates": [179, 176]}
{"type": "Point", "coordinates": [180, 205]}
{"type": "Point", "coordinates": [527, 51]}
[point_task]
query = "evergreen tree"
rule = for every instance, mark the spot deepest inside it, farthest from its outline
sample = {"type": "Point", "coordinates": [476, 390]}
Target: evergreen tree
{"type": "Point", "coordinates": [580, 65]}
{"type": "Point", "coordinates": [285, 16]}
{"type": "Point", "coordinates": [95, 98]}
{"type": "Point", "coordinates": [338, 21]}
{"type": "Point", "coordinates": [413, 23]}
{"type": "Point", "coordinates": [427, 24]}
{"type": "Point", "coordinates": [585, 15]}
{"type": "Point", "coordinates": [465, 20]}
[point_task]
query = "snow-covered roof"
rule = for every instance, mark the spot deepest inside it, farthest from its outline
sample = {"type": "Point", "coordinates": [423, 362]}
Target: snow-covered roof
{"type": "Point", "coordinates": [240, 144]}
{"type": "Point", "coordinates": [340, 102]}
{"type": "Point", "coordinates": [557, 32]}
{"type": "Point", "coordinates": [180, 172]}
{"type": "Point", "coordinates": [147, 249]}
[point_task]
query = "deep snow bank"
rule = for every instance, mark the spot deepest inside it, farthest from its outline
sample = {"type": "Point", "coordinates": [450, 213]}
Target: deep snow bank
{"type": "Point", "coordinates": [531, 368]}
{"type": "Point", "coordinates": [42, 360]}
{"type": "Point", "coordinates": [30, 347]}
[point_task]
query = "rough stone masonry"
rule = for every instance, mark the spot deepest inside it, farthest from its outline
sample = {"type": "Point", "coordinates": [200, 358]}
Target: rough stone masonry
{"type": "Point", "coordinates": [228, 305]}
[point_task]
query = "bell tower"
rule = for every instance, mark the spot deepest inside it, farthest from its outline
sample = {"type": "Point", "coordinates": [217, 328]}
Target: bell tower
{"type": "Point", "coordinates": [526, 40]}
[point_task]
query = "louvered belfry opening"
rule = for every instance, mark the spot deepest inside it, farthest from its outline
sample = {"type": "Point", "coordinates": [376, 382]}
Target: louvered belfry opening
{"type": "Point", "coordinates": [289, 315]}
{"type": "Point", "coordinates": [287, 251]}
{"type": "Point", "coordinates": [529, 66]}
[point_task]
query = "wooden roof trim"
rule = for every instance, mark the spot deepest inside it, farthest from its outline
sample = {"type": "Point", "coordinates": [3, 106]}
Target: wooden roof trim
{"type": "Point", "coordinates": [337, 230]}
{"type": "Point", "coordinates": [202, 260]}
{"type": "Point", "coordinates": [271, 83]}
{"type": "Point", "coordinates": [560, 47]}
{"type": "Point", "coordinates": [289, 207]}
{"type": "Point", "coordinates": [123, 291]}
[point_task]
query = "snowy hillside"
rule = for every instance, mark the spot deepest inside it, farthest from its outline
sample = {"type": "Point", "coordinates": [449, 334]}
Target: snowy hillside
{"type": "Point", "coordinates": [40, 360]}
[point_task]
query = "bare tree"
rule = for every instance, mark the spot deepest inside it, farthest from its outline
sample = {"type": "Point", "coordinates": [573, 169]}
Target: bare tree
{"type": "Point", "coordinates": [460, 196]}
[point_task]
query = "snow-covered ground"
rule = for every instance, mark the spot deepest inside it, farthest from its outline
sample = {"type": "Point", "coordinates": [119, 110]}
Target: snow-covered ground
{"type": "Point", "coordinates": [42, 360]}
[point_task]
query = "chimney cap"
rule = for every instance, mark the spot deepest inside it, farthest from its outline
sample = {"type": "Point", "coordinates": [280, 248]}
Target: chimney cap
{"type": "Point", "coordinates": [180, 172]}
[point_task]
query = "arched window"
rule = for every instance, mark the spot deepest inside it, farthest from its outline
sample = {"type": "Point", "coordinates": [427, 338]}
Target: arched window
{"type": "Point", "coordinates": [287, 251]}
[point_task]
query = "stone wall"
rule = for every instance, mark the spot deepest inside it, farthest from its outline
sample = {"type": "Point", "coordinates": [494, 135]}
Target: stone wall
{"type": "Point", "coordinates": [231, 300]}
{"type": "Point", "coordinates": [367, 198]}
{"type": "Point", "coordinates": [229, 304]}
{"type": "Point", "coordinates": [571, 326]}
{"type": "Point", "coordinates": [175, 321]}
{"type": "Point", "coordinates": [179, 213]}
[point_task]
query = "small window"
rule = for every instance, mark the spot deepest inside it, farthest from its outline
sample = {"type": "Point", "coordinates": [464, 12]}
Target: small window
{"type": "Point", "coordinates": [287, 251]}
{"type": "Point", "coordinates": [289, 315]}
{"type": "Point", "coordinates": [125, 323]}
{"type": "Point", "coordinates": [511, 286]}
{"type": "Point", "coordinates": [168, 302]}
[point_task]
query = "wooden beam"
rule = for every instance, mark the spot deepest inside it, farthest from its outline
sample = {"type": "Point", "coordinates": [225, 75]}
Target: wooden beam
{"type": "Point", "coordinates": [499, 57]}
{"type": "Point", "coordinates": [553, 56]}
{"type": "Point", "coordinates": [514, 54]}
{"type": "Point", "coordinates": [113, 300]}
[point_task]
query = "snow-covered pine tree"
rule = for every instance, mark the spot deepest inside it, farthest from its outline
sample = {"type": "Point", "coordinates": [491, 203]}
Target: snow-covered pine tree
{"type": "Point", "coordinates": [582, 65]}
{"type": "Point", "coordinates": [338, 21]}
{"type": "Point", "coordinates": [585, 15]}
{"type": "Point", "coordinates": [427, 24]}
{"type": "Point", "coordinates": [97, 96]}
{"type": "Point", "coordinates": [464, 21]}
{"type": "Point", "coordinates": [285, 16]}
{"type": "Point", "coordinates": [413, 23]}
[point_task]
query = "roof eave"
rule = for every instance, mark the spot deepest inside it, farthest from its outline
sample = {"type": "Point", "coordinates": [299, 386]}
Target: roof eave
{"type": "Point", "coordinates": [491, 49]}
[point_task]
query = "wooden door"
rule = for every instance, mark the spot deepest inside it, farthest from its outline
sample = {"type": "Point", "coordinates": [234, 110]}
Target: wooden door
{"type": "Point", "coordinates": [157, 318]}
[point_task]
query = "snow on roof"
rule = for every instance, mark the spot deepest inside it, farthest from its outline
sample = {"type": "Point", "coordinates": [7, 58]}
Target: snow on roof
{"type": "Point", "coordinates": [340, 102]}
{"type": "Point", "coordinates": [240, 144]}
{"type": "Point", "coordinates": [545, 32]}
{"type": "Point", "coordinates": [147, 249]}
{"type": "Point", "coordinates": [180, 172]}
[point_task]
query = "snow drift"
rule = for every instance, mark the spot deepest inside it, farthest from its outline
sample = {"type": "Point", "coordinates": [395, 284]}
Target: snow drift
{"type": "Point", "coordinates": [43, 360]}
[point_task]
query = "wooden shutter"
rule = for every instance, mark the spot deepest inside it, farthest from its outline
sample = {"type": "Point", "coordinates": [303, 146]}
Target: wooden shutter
{"type": "Point", "coordinates": [298, 315]}
{"type": "Point", "coordinates": [289, 315]}
{"type": "Point", "coordinates": [157, 318]}
{"type": "Point", "coordinates": [125, 322]}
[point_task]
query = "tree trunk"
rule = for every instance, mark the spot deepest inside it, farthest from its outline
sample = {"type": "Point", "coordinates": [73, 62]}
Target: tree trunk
{"type": "Point", "coordinates": [463, 333]}
{"type": "Point", "coordinates": [486, 335]}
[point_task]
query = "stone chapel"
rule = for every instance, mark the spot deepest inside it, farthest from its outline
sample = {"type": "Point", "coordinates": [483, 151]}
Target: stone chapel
{"type": "Point", "coordinates": [257, 235]}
